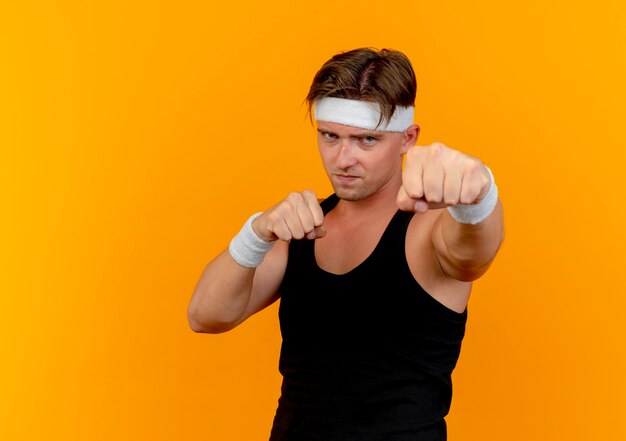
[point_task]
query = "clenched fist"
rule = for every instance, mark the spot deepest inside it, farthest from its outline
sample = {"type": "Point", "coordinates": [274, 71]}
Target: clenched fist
{"type": "Point", "coordinates": [298, 216]}
{"type": "Point", "coordinates": [437, 176]}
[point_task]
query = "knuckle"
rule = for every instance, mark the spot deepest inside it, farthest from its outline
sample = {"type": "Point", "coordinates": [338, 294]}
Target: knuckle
{"type": "Point", "coordinates": [473, 165]}
{"type": "Point", "coordinates": [433, 197]}
{"type": "Point", "coordinates": [281, 211]}
{"type": "Point", "coordinates": [411, 187]}
{"type": "Point", "coordinates": [465, 197]}
{"type": "Point", "coordinates": [309, 194]}
{"type": "Point", "coordinates": [274, 216]}
{"type": "Point", "coordinates": [285, 206]}
{"type": "Point", "coordinates": [318, 218]}
{"type": "Point", "coordinates": [470, 196]}
{"type": "Point", "coordinates": [434, 193]}
{"type": "Point", "coordinates": [307, 224]}
{"type": "Point", "coordinates": [279, 231]}
{"type": "Point", "coordinates": [437, 149]}
{"type": "Point", "coordinates": [414, 193]}
{"type": "Point", "coordinates": [294, 197]}
{"type": "Point", "coordinates": [456, 158]}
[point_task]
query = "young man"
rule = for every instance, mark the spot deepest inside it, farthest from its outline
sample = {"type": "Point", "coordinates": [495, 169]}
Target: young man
{"type": "Point", "coordinates": [375, 280]}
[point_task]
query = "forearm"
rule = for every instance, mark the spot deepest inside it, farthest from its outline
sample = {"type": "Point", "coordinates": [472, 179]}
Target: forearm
{"type": "Point", "coordinates": [469, 249]}
{"type": "Point", "coordinates": [221, 295]}
{"type": "Point", "coordinates": [246, 277]}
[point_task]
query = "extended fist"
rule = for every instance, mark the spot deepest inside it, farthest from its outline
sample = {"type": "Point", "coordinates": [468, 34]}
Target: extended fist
{"type": "Point", "coordinates": [298, 216]}
{"type": "Point", "coordinates": [438, 176]}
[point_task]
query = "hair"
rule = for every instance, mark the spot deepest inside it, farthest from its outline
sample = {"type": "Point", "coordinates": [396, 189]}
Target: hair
{"type": "Point", "coordinates": [382, 76]}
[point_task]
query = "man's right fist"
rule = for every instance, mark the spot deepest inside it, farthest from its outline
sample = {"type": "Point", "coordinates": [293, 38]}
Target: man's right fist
{"type": "Point", "coordinates": [298, 216]}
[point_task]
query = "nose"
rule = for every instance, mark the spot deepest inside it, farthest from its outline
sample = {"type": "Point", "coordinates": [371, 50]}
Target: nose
{"type": "Point", "coordinates": [345, 157]}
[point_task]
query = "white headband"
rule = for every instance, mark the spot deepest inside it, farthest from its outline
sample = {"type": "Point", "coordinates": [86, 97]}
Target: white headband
{"type": "Point", "coordinates": [361, 114]}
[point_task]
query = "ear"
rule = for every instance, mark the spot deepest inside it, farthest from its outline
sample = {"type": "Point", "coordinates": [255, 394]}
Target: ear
{"type": "Point", "coordinates": [409, 137]}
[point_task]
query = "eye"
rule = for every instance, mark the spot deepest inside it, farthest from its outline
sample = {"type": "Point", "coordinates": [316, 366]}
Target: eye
{"type": "Point", "coordinates": [329, 136]}
{"type": "Point", "coordinates": [368, 140]}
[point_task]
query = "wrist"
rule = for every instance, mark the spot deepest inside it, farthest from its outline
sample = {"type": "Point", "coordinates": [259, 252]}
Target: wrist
{"type": "Point", "coordinates": [473, 214]}
{"type": "Point", "coordinates": [247, 248]}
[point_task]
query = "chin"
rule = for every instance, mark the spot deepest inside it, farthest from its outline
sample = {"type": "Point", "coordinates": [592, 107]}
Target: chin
{"type": "Point", "coordinates": [347, 197]}
{"type": "Point", "coordinates": [350, 195]}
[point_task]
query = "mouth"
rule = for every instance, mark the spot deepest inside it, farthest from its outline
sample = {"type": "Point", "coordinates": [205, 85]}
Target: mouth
{"type": "Point", "coordinates": [346, 179]}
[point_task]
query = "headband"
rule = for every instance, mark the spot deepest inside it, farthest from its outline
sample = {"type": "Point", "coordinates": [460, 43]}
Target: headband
{"type": "Point", "coordinates": [361, 114]}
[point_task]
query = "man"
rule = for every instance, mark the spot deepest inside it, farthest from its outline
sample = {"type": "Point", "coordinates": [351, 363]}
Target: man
{"type": "Point", "coordinates": [374, 281]}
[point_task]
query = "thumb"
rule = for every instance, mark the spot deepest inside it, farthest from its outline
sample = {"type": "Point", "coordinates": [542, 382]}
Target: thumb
{"type": "Point", "coordinates": [317, 233]}
{"type": "Point", "coordinates": [407, 203]}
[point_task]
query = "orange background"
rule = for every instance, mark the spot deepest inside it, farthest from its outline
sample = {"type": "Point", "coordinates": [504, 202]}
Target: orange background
{"type": "Point", "coordinates": [137, 136]}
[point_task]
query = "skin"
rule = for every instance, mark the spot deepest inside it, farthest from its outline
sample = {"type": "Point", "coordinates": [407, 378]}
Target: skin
{"type": "Point", "coordinates": [365, 170]}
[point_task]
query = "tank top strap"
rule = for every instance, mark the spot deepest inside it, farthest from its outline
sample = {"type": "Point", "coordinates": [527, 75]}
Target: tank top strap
{"type": "Point", "coordinates": [329, 203]}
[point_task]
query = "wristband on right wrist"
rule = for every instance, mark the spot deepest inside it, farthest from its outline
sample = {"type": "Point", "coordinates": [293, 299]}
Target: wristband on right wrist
{"type": "Point", "coordinates": [248, 249]}
{"type": "Point", "coordinates": [474, 213]}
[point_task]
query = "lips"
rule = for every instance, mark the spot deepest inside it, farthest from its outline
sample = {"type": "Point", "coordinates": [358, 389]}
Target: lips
{"type": "Point", "coordinates": [346, 179]}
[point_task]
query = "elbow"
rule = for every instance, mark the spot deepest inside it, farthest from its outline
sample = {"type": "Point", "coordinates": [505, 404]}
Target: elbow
{"type": "Point", "coordinates": [469, 267]}
{"type": "Point", "coordinates": [195, 323]}
{"type": "Point", "coordinates": [469, 274]}
{"type": "Point", "coordinates": [465, 271]}
{"type": "Point", "coordinates": [202, 325]}
{"type": "Point", "coordinates": [198, 327]}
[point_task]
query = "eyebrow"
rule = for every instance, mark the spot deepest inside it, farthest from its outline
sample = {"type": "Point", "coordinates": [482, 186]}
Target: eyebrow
{"type": "Point", "coordinates": [376, 135]}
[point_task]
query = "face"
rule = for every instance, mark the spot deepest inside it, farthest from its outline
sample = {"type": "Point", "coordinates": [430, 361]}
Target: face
{"type": "Point", "coordinates": [361, 163]}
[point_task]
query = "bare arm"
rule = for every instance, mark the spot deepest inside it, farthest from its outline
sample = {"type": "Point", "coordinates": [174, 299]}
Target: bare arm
{"type": "Point", "coordinates": [437, 176]}
{"type": "Point", "coordinates": [466, 251]}
{"type": "Point", "coordinates": [228, 293]}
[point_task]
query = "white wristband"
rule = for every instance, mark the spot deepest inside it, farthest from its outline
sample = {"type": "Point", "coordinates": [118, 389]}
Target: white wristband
{"type": "Point", "coordinates": [247, 248]}
{"type": "Point", "coordinates": [475, 213]}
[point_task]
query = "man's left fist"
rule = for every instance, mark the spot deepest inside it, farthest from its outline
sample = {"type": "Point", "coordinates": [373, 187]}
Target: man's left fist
{"type": "Point", "coordinates": [437, 176]}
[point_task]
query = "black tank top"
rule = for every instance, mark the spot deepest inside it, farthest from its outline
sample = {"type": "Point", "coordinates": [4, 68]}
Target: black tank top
{"type": "Point", "coordinates": [366, 355]}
